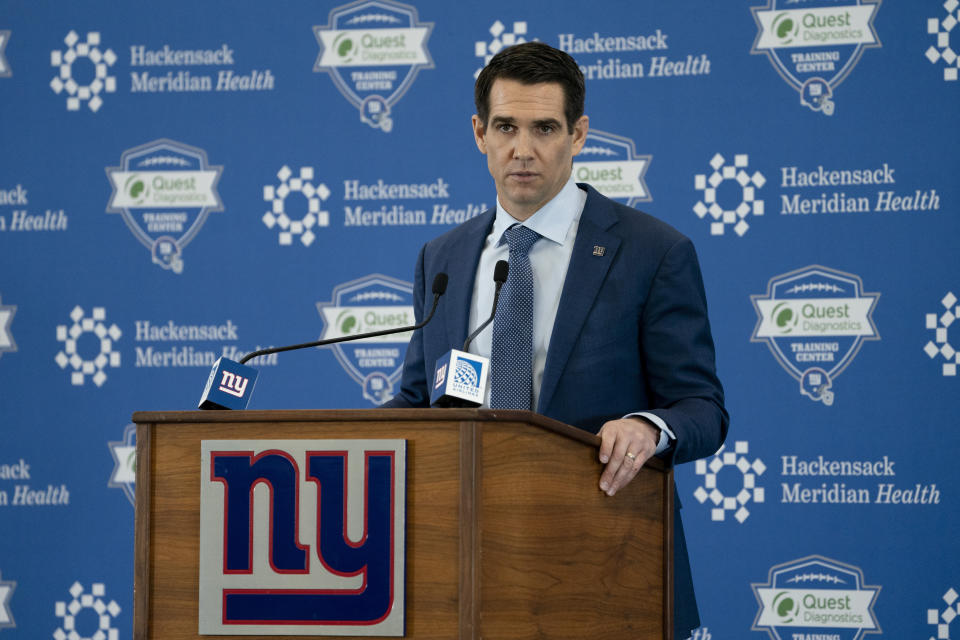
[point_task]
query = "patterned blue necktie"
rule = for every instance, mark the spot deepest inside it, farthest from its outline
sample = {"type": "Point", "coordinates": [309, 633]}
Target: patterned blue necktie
{"type": "Point", "coordinates": [511, 357]}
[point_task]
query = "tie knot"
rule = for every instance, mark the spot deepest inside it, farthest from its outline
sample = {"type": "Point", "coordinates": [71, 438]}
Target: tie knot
{"type": "Point", "coordinates": [519, 238]}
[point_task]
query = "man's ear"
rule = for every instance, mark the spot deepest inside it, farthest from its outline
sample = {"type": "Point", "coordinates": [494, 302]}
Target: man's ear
{"type": "Point", "coordinates": [580, 133]}
{"type": "Point", "coordinates": [479, 134]}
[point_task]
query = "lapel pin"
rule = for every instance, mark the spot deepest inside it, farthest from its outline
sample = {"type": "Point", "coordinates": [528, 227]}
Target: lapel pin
{"type": "Point", "coordinates": [598, 250]}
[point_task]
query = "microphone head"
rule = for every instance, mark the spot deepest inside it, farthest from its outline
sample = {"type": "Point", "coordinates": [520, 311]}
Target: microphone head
{"type": "Point", "coordinates": [440, 284]}
{"type": "Point", "coordinates": [500, 271]}
{"type": "Point", "coordinates": [230, 386]}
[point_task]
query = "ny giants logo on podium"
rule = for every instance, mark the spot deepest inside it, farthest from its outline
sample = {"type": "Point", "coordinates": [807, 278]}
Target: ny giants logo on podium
{"type": "Point", "coordinates": [302, 537]}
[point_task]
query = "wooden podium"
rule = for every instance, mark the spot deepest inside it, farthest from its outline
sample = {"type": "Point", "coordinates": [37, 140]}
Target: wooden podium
{"type": "Point", "coordinates": [507, 533]}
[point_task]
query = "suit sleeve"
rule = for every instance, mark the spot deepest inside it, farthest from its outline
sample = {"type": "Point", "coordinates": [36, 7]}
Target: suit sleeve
{"type": "Point", "coordinates": [678, 357]}
{"type": "Point", "coordinates": [413, 380]}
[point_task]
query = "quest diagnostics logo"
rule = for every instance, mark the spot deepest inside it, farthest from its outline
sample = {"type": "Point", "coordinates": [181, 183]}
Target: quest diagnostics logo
{"type": "Point", "coordinates": [814, 320]}
{"type": "Point", "coordinates": [815, 47]}
{"type": "Point", "coordinates": [815, 597]}
{"type": "Point", "coordinates": [610, 164]}
{"type": "Point", "coordinates": [373, 50]}
{"type": "Point", "coordinates": [82, 71]}
{"type": "Point", "coordinates": [164, 191]}
{"type": "Point", "coordinates": [372, 303]}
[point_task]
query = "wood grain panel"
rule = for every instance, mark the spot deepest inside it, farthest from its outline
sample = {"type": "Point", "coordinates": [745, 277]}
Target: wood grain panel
{"type": "Point", "coordinates": [561, 559]}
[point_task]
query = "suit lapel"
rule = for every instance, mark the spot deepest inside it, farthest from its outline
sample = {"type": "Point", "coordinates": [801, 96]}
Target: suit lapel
{"type": "Point", "coordinates": [461, 266]}
{"type": "Point", "coordinates": [585, 276]}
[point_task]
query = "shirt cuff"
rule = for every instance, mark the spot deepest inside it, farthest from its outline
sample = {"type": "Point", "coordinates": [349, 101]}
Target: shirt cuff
{"type": "Point", "coordinates": [666, 435]}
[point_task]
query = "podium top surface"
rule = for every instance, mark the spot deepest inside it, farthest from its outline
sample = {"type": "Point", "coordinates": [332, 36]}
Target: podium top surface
{"type": "Point", "coordinates": [375, 415]}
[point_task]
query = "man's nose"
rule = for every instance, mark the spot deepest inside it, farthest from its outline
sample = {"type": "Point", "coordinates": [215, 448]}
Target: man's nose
{"type": "Point", "coordinates": [523, 146]}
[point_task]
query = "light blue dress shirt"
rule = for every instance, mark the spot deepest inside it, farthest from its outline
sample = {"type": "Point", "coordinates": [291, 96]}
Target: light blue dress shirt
{"type": "Point", "coordinates": [557, 222]}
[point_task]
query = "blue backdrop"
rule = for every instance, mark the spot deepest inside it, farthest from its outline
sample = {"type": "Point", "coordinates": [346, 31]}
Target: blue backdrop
{"type": "Point", "coordinates": [183, 180]}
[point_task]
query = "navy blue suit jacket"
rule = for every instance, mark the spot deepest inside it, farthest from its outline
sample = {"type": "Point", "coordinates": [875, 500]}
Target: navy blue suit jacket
{"type": "Point", "coordinates": [631, 334]}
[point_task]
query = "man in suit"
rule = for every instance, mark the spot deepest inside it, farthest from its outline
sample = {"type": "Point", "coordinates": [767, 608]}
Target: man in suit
{"type": "Point", "coordinates": [617, 337]}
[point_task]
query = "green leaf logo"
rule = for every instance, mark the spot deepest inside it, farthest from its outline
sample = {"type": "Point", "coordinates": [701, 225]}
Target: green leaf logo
{"type": "Point", "coordinates": [348, 324]}
{"type": "Point", "coordinates": [785, 607]}
{"type": "Point", "coordinates": [136, 188]}
{"type": "Point", "coordinates": [785, 28]}
{"type": "Point", "coordinates": [344, 47]}
{"type": "Point", "coordinates": [784, 317]}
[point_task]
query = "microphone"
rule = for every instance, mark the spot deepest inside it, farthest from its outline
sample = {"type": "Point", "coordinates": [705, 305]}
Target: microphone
{"type": "Point", "coordinates": [460, 378]}
{"type": "Point", "coordinates": [236, 380]}
{"type": "Point", "coordinates": [500, 271]}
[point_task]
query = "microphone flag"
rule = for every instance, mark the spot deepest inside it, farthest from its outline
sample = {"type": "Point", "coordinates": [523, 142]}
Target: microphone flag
{"type": "Point", "coordinates": [460, 380]}
{"type": "Point", "coordinates": [230, 386]}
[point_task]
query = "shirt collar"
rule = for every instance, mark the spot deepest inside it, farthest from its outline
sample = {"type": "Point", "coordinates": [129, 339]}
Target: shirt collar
{"type": "Point", "coordinates": [552, 220]}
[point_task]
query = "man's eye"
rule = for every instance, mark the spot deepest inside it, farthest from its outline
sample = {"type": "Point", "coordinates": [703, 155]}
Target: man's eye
{"type": "Point", "coordinates": [505, 128]}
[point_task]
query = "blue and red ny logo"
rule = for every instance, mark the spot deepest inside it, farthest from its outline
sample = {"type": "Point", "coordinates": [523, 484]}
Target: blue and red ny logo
{"type": "Point", "coordinates": [306, 570]}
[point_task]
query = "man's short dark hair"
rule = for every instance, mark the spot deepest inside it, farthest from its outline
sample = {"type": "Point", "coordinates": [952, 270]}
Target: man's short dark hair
{"type": "Point", "coordinates": [533, 63]}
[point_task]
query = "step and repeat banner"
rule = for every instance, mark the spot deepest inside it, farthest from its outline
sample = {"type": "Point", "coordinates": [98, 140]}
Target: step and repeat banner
{"type": "Point", "coordinates": [185, 180]}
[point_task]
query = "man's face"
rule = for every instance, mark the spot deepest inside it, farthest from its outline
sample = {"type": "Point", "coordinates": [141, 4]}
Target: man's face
{"type": "Point", "coordinates": [528, 147]}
